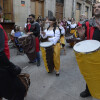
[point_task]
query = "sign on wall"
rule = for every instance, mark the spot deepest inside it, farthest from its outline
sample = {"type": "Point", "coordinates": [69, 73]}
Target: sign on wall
{"type": "Point", "coordinates": [22, 3]}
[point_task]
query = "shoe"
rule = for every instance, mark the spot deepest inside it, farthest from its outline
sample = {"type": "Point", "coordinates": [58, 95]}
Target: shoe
{"type": "Point", "coordinates": [57, 73]}
{"type": "Point", "coordinates": [38, 63]}
{"type": "Point", "coordinates": [85, 94]}
{"type": "Point", "coordinates": [32, 61]}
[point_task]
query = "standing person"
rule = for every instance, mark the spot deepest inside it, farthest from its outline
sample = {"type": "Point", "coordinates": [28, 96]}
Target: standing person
{"type": "Point", "coordinates": [62, 37]}
{"type": "Point", "coordinates": [91, 30]}
{"type": "Point", "coordinates": [11, 86]}
{"type": "Point", "coordinates": [73, 30]}
{"type": "Point", "coordinates": [82, 19]}
{"type": "Point", "coordinates": [46, 23]}
{"type": "Point", "coordinates": [53, 35]}
{"type": "Point", "coordinates": [35, 30]}
{"type": "Point", "coordinates": [28, 25]}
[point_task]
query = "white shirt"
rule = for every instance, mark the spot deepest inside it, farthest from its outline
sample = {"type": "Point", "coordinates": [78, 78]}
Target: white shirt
{"type": "Point", "coordinates": [12, 32]}
{"type": "Point", "coordinates": [25, 25]}
{"type": "Point", "coordinates": [73, 25]}
{"type": "Point", "coordinates": [68, 23]}
{"type": "Point", "coordinates": [55, 36]}
{"type": "Point", "coordinates": [62, 30]}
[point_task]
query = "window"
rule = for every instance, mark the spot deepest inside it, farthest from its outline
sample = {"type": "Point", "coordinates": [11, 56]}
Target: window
{"type": "Point", "coordinates": [60, 1]}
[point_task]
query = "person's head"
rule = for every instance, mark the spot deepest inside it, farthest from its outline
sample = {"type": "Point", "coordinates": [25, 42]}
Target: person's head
{"type": "Point", "coordinates": [52, 21]}
{"type": "Point", "coordinates": [21, 29]}
{"type": "Point", "coordinates": [28, 20]}
{"type": "Point", "coordinates": [47, 18]}
{"type": "Point", "coordinates": [97, 9]}
{"type": "Point", "coordinates": [17, 28]}
{"type": "Point", "coordinates": [32, 16]}
{"type": "Point", "coordinates": [82, 17]}
{"type": "Point", "coordinates": [72, 20]}
{"type": "Point", "coordinates": [64, 19]}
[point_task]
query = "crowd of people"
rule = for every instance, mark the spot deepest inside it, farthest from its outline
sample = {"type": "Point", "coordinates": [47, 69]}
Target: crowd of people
{"type": "Point", "coordinates": [48, 35]}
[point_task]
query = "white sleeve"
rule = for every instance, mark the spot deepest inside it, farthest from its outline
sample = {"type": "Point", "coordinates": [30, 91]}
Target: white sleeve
{"type": "Point", "coordinates": [45, 34]}
{"type": "Point", "coordinates": [12, 32]}
{"type": "Point", "coordinates": [25, 25]}
{"type": "Point", "coordinates": [56, 37]}
{"type": "Point", "coordinates": [62, 30]}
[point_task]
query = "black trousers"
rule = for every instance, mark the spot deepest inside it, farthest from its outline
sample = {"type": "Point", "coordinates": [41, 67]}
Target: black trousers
{"type": "Point", "coordinates": [11, 87]}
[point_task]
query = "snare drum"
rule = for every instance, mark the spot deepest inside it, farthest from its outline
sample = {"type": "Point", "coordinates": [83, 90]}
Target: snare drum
{"type": "Point", "coordinates": [88, 58]}
{"type": "Point", "coordinates": [47, 54]}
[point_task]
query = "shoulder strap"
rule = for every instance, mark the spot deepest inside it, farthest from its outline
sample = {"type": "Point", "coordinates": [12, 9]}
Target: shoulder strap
{"type": "Point", "coordinates": [88, 28]}
{"type": "Point", "coordinates": [90, 31]}
{"type": "Point", "coordinates": [55, 29]}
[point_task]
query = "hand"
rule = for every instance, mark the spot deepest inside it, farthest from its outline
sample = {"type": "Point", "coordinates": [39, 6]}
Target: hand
{"type": "Point", "coordinates": [43, 33]}
{"type": "Point", "coordinates": [30, 33]}
{"type": "Point", "coordinates": [98, 24]}
{"type": "Point", "coordinates": [81, 31]}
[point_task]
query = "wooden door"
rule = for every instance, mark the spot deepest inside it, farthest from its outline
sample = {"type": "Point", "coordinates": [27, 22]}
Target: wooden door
{"type": "Point", "coordinates": [37, 8]}
{"type": "Point", "coordinates": [59, 11]}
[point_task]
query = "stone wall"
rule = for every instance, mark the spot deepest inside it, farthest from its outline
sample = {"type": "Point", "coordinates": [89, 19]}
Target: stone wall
{"type": "Point", "coordinates": [21, 12]}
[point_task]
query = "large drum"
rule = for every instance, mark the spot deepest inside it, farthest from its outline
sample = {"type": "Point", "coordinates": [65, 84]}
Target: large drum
{"type": "Point", "coordinates": [88, 58]}
{"type": "Point", "coordinates": [29, 45]}
{"type": "Point", "coordinates": [47, 54]}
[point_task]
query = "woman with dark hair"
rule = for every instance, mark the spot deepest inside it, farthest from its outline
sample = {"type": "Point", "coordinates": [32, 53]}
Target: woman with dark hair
{"type": "Point", "coordinates": [27, 25]}
{"type": "Point", "coordinates": [53, 35]}
{"type": "Point", "coordinates": [73, 30]}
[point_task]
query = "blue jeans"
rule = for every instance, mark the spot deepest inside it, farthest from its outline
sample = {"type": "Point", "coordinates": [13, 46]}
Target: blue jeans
{"type": "Point", "coordinates": [38, 56]}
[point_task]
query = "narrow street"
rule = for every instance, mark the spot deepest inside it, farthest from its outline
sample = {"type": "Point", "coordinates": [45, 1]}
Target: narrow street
{"type": "Point", "coordinates": [46, 86]}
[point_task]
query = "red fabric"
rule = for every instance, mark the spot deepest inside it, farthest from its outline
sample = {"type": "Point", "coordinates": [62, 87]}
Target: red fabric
{"type": "Point", "coordinates": [29, 26]}
{"type": "Point", "coordinates": [90, 31]}
{"type": "Point", "coordinates": [88, 28]}
{"type": "Point", "coordinates": [79, 24]}
{"type": "Point", "coordinates": [37, 44]}
{"type": "Point", "coordinates": [6, 49]}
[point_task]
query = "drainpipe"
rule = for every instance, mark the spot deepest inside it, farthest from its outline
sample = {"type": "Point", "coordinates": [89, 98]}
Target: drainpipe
{"type": "Point", "coordinates": [73, 8]}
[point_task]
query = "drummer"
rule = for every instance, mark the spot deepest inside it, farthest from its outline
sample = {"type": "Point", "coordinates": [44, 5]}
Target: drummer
{"type": "Point", "coordinates": [73, 30]}
{"type": "Point", "coordinates": [35, 30]}
{"type": "Point", "coordinates": [62, 37]}
{"type": "Point", "coordinates": [91, 30]}
{"type": "Point", "coordinates": [53, 34]}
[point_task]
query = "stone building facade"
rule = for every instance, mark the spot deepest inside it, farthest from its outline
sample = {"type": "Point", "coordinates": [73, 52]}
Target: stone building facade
{"type": "Point", "coordinates": [57, 8]}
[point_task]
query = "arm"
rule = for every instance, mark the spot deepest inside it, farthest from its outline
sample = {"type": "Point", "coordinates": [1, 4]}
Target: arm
{"type": "Point", "coordinates": [62, 30]}
{"type": "Point", "coordinates": [4, 62]}
{"type": "Point", "coordinates": [36, 32]}
{"type": "Point", "coordinates": [56, 37]}
{"type": "Point", "coordinates": [43, 34]}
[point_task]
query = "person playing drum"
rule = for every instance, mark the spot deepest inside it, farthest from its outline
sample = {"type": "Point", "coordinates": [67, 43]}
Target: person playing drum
{"type": "Point", "coordinates": [91, 30]}
{"type": "Point", "coordinates": [53, 35]}
{"type": "Point", "coordinates": [62, 37]}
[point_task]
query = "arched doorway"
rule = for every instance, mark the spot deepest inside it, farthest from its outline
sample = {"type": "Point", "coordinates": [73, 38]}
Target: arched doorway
{"type": "Point", "coordinates": [59, 9]}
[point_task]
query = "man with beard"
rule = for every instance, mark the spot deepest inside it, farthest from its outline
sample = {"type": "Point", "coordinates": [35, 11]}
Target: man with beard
{"type": "Point", "coordinates": [35, 30]}
{"type": "Point", "coordinates": [91, 30]}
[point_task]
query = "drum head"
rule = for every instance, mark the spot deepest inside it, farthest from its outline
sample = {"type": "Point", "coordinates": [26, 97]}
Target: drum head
{"type": "Point", "coordinates": [46, 44]}
{"type": "Point", "coordinates": [87, 46]}
{"type": "Point", "coordinates": [24, 36]}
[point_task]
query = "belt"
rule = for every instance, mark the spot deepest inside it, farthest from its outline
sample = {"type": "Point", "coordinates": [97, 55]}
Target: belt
{"type": "Point", "coordinates": [73, 28]}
